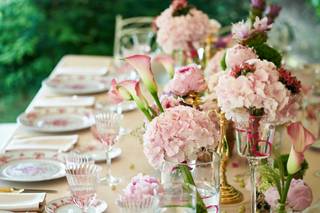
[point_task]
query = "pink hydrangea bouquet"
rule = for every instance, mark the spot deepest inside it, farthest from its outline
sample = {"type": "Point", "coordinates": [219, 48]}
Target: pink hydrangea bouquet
{"type": "Point", "coordinates": [183, 27]}
{"type": "Point", "coordinates": [254, 83]}
{"type": "Point", "coordinates": [283, 185]}
{"type": "Point", "coordinates": [177, 135]}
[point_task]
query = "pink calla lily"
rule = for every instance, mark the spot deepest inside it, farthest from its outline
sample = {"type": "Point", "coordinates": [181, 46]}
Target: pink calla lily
{"type": "Point", "coordinates": [114, 95]}
{"type": "Point", "coordinates": [132, 87]}
{"type": "Point", "coordinates": [142, 64]}
{"type": "Point", "coordinates": [167, 62]}
{"type": "Point", "coordinates": [301, 139]}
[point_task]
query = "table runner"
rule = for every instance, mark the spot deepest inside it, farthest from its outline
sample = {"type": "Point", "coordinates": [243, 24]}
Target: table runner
{"type": "Point", "coordinates": [132, 160]}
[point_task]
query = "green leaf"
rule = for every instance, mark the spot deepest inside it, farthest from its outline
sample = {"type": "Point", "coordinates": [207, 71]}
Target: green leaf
{"type": "Point", "coordinates": [223, 61]}
{"type": "Point", "coordinates": [187, 176]}
{"type": "Point", "coordinates": [264, 51]}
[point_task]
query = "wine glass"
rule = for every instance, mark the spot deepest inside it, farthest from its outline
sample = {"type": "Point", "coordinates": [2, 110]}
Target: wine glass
{"type": "Point", "coordinates": [107, 130]}
{"type": "Point", "coordinates": [254, 141]}
{"type": "Point", "coordinates": [82, 180]}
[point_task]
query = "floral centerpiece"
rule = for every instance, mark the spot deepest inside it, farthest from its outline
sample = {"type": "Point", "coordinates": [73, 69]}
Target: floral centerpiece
{"type": "Point", "coordinates": [182, 27]}
{"type": "Point", "coordinates": [254, 81]}
{"type": "Point", "coordinates": [254, 89]}
{"type": "Point", "coordinates": [174, 132]}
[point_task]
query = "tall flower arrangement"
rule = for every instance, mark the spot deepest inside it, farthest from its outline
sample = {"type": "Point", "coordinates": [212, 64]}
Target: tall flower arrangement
{"type": "Point", "coordinates": [254, 81]}
{"type": "Point", "coordinates": [174, 132]}
{"type": "Point", "coordinates": [183, 27]}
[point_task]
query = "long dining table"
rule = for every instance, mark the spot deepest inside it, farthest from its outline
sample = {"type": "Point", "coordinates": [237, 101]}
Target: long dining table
{"type": "Point", "coordinates": [132, 160]}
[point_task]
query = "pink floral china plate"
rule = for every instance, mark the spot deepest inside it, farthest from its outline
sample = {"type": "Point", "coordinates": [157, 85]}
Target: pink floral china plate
{"type": "Point", "coordinates": [78, 84]}
{"type": "Point", "coordinates": [66, 205]}
{"type": "Point", "coordinates": [56, 120]}
{"type": "Point", "coordinates": [31, 166]}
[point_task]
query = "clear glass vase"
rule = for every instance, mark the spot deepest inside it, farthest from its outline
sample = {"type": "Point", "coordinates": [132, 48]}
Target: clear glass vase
{"type": "Point", "coordinates": [203, 173]}
{"type": "Point", "coordinates": [254, 141]}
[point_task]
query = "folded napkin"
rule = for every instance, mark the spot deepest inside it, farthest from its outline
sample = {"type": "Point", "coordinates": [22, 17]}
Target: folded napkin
{"type": "Point", "coordinates": [61, 143]}
{"type": "Point", "coordinates": [65, 101]}
{"type": "Point", "coordinates": [92, 70]}
{"type": "Point", "coordinates": [22, 201]}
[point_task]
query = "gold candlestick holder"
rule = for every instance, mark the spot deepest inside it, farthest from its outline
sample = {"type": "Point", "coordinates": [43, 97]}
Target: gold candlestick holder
{"type": "Point", "coordinates": [228, 194]}
{"type": "Point", "coordinates": [193, 99]}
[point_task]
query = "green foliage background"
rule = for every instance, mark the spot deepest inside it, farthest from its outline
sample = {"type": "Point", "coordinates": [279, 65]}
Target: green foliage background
{"type": "Point", "coordinates": [35, 34]}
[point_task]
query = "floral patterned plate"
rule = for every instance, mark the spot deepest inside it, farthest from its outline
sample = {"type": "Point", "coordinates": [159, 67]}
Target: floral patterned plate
{"type": "Point", "coordinates": [78, 84]}
{"type": "Point", "coordinates": [56, 119]}
{"type": "Point", "coordinates": [65, 205]}
{"type": "Point", "coordinates": [31, 166]}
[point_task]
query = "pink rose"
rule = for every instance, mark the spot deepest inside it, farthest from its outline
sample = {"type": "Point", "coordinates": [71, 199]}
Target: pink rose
{"type": "Point", "coordinates": [141, 187]}
{"type": "Point", "coordinates": [187, 79]}
{"type": "Point", "coordinates": [299, 196]}
{"type": "Point", "coordinates": [238, 54]}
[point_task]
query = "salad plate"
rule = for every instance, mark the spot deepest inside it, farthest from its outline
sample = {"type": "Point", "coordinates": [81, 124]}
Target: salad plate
{"type": "Point", "coordinates": [78, 84]}
{"type": "Point", "coordinates": [66, 205]}
{"type": "Point", "coordinates": [54, 120]}
{"type": "Point", "coordinates": [31, 166]}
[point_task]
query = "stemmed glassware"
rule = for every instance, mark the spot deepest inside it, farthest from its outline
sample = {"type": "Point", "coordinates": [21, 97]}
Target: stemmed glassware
{"type": "Point", "coordinates": [254, 141]}
{"type": "Point", "coordinates": [82, 180]}
{"type": "Point", "coordinates": [107, 130]}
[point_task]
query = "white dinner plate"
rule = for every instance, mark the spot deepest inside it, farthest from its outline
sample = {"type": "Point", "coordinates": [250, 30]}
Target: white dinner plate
{"type": "Point", "coordinates": [66, 205]}
{"type": "Point", "coordinates": [56, 120]}
{"type": "Point", "coordinates": [78, 84]}
{"type": "Point", "coordinates": [31, 166]}
{"type": "Point", "coordinates": [98, 154]}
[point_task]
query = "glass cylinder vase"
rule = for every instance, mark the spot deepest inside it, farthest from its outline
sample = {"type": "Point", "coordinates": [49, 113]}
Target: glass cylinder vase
{"type": "Point", "coordinates": [203, 173]}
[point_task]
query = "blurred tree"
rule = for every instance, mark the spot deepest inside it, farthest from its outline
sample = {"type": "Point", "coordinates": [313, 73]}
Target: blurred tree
{"type": "Point", "coordinates": [35, 34]}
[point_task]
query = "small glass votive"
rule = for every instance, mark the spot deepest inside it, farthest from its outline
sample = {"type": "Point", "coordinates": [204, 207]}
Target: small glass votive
{"type": "Point", "coordinates": [147, 205]}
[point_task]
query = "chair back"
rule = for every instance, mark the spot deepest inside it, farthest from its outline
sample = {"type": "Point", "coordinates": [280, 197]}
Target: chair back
{"type": "Point", "coordinates": [130, 31]}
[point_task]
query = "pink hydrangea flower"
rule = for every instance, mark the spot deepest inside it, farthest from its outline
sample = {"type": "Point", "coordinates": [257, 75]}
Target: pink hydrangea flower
{"type": "Point", "coordinates": [187, 79]}
{"type": "Point", "coordinates": [177, 32]}
{"type": "Point", "coordinates": [260, 89]}
{"type": "Point", "coordinates": [177, 134]}
{"type": "Point", "coordinates": [299, 196]}
{"type": "Point", "coordinates": [238, 54]}
{"type": "Point", "coordinates": [141, 187]}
